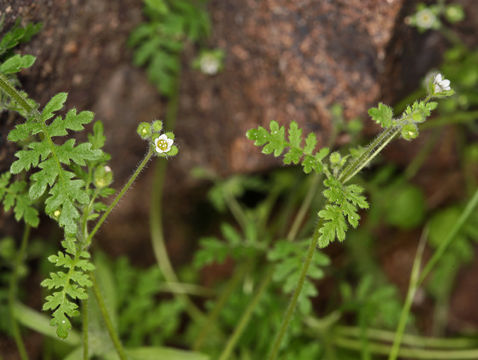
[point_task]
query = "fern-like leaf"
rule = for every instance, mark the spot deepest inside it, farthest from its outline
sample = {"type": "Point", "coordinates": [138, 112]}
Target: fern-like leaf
{"type": "Point", "coordinates": [344, 202]}
{"type": "Point", "coordinates": [288, 261]}
{"type": "Point", "coordinates": [69, 285]}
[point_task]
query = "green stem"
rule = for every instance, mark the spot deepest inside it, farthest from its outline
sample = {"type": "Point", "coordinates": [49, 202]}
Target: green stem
{"type": "Point", "coordinates": [304, 207]}
{"type": "Point", "coordinates": [462, 117]}
{"type": "Point", "coordinates": [372, 150]}
{"type": "Point", "coordinates": [84, 315]}
{"type": "Point", "coordinates": [120, 194]}
{"type": "Point", "coordinates": [236, 210]}
{"type": "Point", "coordinates": [156, 218]}
{"type": "Point", "coordinates": [10, 90]}
{"type": "Point", "coordinates": [246, 316]}
{"type": "Point", "coordinates": [218, 306]}
{"type": "Point", "coordinates": [419, 159]}
{"type": "Point", "coordinates": [159, 246]}
{"type": "Point", "coordinates": [109, 325]}
{"type": "Point", "coordinates": [451, 235]}
{"type": "Point", "coordinates": [408, 339]}
{"type": "Point", "coordinates": [412, 289]}
{"type": "Point", "coordinates": [295, 296]}
{"type": "Point", "coordinates": [383, 349]}
{"type": "Point", "coordinates": [12, 294]}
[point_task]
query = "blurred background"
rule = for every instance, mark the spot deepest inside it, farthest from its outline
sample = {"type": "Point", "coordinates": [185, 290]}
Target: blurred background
{"type": "Point", "coordinates": [320, 63]}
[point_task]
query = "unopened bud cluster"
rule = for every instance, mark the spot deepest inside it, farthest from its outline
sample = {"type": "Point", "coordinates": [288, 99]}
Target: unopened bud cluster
{"type": "Point", "coordinates": [161, 142]}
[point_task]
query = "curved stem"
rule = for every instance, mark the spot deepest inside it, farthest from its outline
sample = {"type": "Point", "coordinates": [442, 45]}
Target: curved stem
{"type": "Point", "coordinates": [109, 325]}
{"type": "Point", "coordinates": [246, 316]}
{"type": "Point", "coordinates": [156, 220]}
{"type": "Point", "coordinates": [407, 339]}
{"type": "Point", "coordinates": [295, 296]}
{"type": "Point", "coordinates": [12, 293]}
{"type": "Point", "coordinates": [120, 194]}
{"type": "Point", "coordinates": [451, 235]}
{"type": "Point", "coordinates": [412, 289]}
{"type": "Point", "coordinates": [383, 349]}
{"type": "Point", "coordinates": [159, 246]}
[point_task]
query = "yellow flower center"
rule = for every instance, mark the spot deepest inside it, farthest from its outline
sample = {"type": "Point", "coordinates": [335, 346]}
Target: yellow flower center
{"type": "Point", "coordinates": [162, 144]}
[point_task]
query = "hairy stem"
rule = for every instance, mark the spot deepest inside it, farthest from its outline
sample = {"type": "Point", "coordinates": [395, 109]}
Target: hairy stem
{"type": "Point", "coordinates": [12, 294]}
{"type": "Point", "coordinates": [274, 352]}
{"type": "Point", "coordinates": [109, 325]}
{"type": "Point", "coordinates": [412, 289]}
{"type": "Point", "coordinates": [372, 150]}
{"type": "Point", "coordinates": [10, 90]}
{"type": "Point", "coordinates": [246, 316]}
{"type": "Point", "coordinates": [120, 194]}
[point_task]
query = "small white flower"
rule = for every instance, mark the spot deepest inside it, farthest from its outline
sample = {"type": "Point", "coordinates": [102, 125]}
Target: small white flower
{"type": "Point", "coordinates": [425, 19]}
{"type": "Point", "coordinates": [163, 144]}
{"type": "Point", "coordinates": [209, 64]}
{"type": "Point", "coordinates": [441, 84]}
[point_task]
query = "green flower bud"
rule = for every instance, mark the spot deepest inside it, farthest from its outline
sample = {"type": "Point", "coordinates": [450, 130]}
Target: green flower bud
{"type": "Point", "coordinates": [454, 13]}
{"type": "Point", "coordinates": [102, 177]}
{"type": "Point", "coordinates": [157, 125]}
{"type": "Point", "coordinates": [144, 130]}
{"type": "Point", "coordinates": [409, 131]}
{"type": "Point", "coordinates": [418, 117]}
{"type": "Point", "coordinates": [335, 158]}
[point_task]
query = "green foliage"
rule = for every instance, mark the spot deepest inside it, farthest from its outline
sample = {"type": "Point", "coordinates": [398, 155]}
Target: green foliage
{"type": "Point", "coordinates": [274, 141]}
{"type": "Point", "coordinates": [15, 36]}
{"type": "Point", "coordinates": [66, 193]}
{"type": "Point", "coordinates": [342, 208]}
{"type": "Point", "coordinates": [16, 63]}
{"type": "Point", "coordinates": [142, 318]}
{"type": "Point", "coordinates": [68, 285]}
{"type": "Point", "coordinates": [159, 42]}
{"type": "Point", "coordinates": [460, 251]}
{"type": "Point", "coordinates": [375, 303]}
{"type": "Point", "coordinates": [14, 195]}
{"type": "Point", "coordinates": [382, 115]}
{"type": "Point", "coordinates": [288, 259]}
{"type": "Point", "coordinates": [57, 174]}
{"type": "Point", "coordinates": [235, 246]}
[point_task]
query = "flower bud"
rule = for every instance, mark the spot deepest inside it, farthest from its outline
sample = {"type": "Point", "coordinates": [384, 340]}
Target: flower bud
{"type": "Point", "coordinates": [454, 13]}
{"type": "Point", "coordinates": [409, 131]}
{"type": "Point", "coordinates": [335, 158]}
{"type": "Point", "coordinates": [144, 130]}
{"type": "Point", "coordinates": [102, 177]}
{"type": "Point", "coordinates": [157, 125]}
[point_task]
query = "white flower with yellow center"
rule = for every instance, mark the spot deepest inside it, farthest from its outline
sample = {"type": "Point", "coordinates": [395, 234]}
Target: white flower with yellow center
{"type": "Point", "coordinates": [441, 84]}
{"type": "Point", "coordinates": [163, 144]}
{"type": "Point", "coordinates": [425, 19]}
